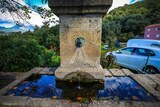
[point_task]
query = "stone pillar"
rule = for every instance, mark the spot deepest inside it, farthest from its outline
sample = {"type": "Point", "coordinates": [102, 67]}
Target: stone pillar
{"type": "Point", "coordinates": [80, 38]}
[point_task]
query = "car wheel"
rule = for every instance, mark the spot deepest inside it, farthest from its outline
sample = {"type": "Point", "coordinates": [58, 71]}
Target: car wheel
{"type": "Point", "coordinates": [151, 70]}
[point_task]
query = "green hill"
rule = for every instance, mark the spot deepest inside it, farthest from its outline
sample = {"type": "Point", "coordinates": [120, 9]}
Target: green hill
{"type": "Point", "coordinates": [130, 20]}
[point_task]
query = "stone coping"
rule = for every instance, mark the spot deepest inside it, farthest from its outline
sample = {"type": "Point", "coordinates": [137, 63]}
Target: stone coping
{"type": "Point", "coordinates": [72, 3]}
{"type": "Point", "coordinates": [149, 82]}
{"type": "Point", "coordinates": [48, 102]}
{"type": "Point", "coordinates": [68, 7]}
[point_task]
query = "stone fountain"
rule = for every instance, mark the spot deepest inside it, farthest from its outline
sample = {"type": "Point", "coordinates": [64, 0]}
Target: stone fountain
{"type": "Point", "coordinates": [80, 38]}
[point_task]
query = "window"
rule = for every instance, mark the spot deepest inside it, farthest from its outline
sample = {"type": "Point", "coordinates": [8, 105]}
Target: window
{"type": "Point", "coordinates": [144, 52]}
{"type": "Point", "coordinates": [147, 35]}
{"type": "Point", "coordinates": [152, 53]}
{"type": "Point", "coordinates": [157, 29]}
{"type": "Point", "coordinates": [149, 29]}
{"type": "Point", "coordinates": [157, 35]}
{"type": "Point", "coordinates": [127, 50]}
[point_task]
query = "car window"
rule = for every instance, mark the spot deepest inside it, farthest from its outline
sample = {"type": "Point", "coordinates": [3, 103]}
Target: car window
{"type": "Point", "coordinates": [152, 53]}
{"type": "Point", "coordinates": [144, 52]}
{"type": "Point", "coordinates": [127, 50]}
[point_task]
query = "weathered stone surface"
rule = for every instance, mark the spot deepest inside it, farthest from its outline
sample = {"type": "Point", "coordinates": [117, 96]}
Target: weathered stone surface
{"type": "Point", "coordinates": [157, 75]}
{"type": "Point", "coordinates": [80, 36]}
{"type": "Point", "coordinates": [60, 7]}
{"type": "Point", "coordinates": [147, 80]}
{"type": "Point", "coordinates": [48, 71]}
{"type": "Point", "coordinates": [117, 72]}
{"type": "Point", "coordinates": [156, 80]}
{"type": "Point", "coordinates": [46, 102]}
{"type": "Point", "coordinates": [108, 73]}
{"type": "Point", "coordinates": [86, 58]}
{"type": "Point", "coordinates": [127, 72]}
{"type": "Point", "coordinates": [93, 74]}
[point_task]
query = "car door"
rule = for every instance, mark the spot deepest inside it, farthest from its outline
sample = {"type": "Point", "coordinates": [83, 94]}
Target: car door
{"type": "Point", "coordinates": [138, 60]}
{"type": "Point", "coordinates": [122, 55]}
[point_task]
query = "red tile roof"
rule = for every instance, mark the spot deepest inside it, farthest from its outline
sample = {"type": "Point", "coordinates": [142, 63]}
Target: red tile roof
{"type": "Point", "coordinates": [154, 25]}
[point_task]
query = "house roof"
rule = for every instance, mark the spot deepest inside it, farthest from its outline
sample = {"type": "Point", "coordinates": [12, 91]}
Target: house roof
{"type": "Point", "coordinates": [154, 25]}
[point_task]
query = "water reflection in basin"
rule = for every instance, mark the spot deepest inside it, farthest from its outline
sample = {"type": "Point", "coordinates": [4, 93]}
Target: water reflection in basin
{"type": "Point", "coordinates": [46, 86]}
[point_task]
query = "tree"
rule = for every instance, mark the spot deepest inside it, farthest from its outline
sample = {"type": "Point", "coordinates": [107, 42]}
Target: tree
{"type": "Point", "coordinates": [152, 4]}
{"type": "Point", "coordinates": [20, 12]}
{"type": "Point", "coordinates": [19, 54]}
{"type": "Point", "coordinates": [111, 28]}
{"type": "Point", "coordinates": [134, 23]}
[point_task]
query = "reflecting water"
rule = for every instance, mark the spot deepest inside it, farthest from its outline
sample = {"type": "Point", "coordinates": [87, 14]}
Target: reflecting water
{"type": "Point", "coordinates": [124, 88]}
{"type": "Point", "coordinates": [46, 86]}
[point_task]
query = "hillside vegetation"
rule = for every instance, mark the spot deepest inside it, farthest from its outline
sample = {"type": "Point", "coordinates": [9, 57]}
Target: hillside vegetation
{"type": "Point", "coordinates": [130, 20]}
{"type": "Point", "coordinates": [24, 51]}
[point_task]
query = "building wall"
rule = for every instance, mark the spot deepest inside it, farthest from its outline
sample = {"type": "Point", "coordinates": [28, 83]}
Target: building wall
{"type": "Point", "coordinates": [152, 33]}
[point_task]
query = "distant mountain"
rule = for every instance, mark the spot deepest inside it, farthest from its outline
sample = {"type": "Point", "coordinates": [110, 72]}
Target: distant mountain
{"type": "Point", "coordinates": [16, 29]}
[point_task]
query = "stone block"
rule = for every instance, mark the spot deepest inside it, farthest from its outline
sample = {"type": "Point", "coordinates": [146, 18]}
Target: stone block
{"type": "Point", "coordinates": [67, 73]}
{"type": "Point", "coordinates": [63, 7]}
{"type": "Point", "coordinates": [117, 72]}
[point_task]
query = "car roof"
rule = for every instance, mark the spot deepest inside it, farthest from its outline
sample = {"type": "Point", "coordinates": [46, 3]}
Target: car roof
{"type": "Point", "coordinates": [152, 40]}
{"type": "Point", "coordinates": [145, 47]}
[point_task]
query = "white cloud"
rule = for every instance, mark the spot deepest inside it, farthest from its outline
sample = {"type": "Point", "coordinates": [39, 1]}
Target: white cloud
{"type": "Point", "coordinates": [7, 25]}
{"type": "Point", "coordinates": [21, 2]}
{"type": "Point", "coordinates": [117, 3]}
{"type": "Point", "coordinates": [36, 19]}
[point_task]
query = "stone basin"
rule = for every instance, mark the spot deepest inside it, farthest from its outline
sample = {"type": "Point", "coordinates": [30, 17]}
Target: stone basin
{"type": "Point", "coordinates": [111, 81]}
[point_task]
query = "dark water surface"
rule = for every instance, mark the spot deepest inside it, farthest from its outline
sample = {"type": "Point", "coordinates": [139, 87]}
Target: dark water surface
{"type": "Point", "coordinates": [46, 86]}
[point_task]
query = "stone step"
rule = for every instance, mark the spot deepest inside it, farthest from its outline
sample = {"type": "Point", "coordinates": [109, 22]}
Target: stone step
{"type": "Point", "coordinates": [157, 75]}
{"type": "Point", "coordinates": [127, 72]}
{"type": "Point", "coordinates": [156, 80]}
{"type": "Point", "coordinates": [107, 73]}
{"type": "Point", "coordinates": [147, 80]}
{"type": "Point", "coordinates": [48, 71]}
{"type": "Point", "coordinates": [117, 72]}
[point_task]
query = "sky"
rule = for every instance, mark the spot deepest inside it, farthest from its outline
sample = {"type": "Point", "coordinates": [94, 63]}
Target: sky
{"type": "Point", "coordinates": [6, 19]}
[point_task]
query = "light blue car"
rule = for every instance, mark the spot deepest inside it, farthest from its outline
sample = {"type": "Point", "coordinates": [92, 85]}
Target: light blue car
{"type": "Point", "coordinates": [146, 59]}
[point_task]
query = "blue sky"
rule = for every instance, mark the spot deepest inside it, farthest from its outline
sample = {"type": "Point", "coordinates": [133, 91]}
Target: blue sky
{"type": "Point", "coordinates": [35, 2]}
{"type": "Point", "coordinates": [7, 21]}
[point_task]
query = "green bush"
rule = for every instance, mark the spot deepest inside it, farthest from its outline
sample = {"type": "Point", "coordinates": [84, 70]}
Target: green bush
{"type": "Point", "coordinates": [48, 57]}
{"type": "Point", "coordinates": [56, 61]}
{"type": "Point", "coordinates": [20, 54]}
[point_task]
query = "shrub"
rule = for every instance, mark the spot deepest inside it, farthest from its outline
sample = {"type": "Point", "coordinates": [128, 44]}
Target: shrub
{"type": "Point", "coordinates": [55, 61]}
{"type": "Point", "coordinates": [48, 57]}
{"type": "Point", "coordinates": [20, 54]}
